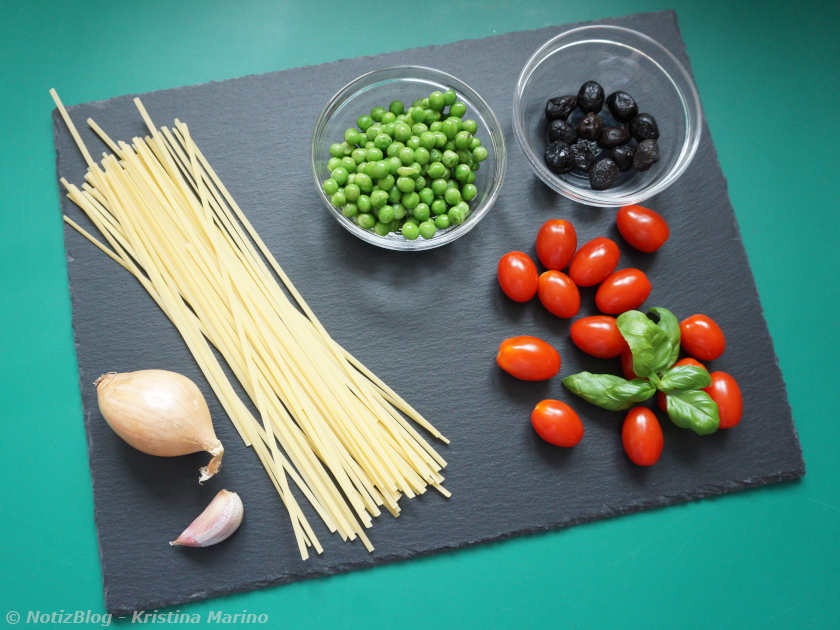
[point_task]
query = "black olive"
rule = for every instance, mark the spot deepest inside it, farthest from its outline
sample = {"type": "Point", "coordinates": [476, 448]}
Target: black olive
{"type": "Point", "coordinates": [560, 107]}
{"type": "Point", "coordinates": [558, 157]}
{"type": "Point", "coordinates": [590, 98]}
{"type": "Point", "coordinates": [622, 106]}
{"type": "Point", "coordinates": [589, 127]}
{"type": "Point", "coordinates": [623, 156]}
{"type": "Point", "coordinates": [613, 136]}
{"type": "Point", "coordinates": [646, 154]}
{"type": "Point", "coordinates": [561, 130]}
{"type": "Point", "coordinates": [583, 155]}
{"type": "Point", "coordinates": [643, 127]}
{"type": "Point", "coordinates": [603, 174]}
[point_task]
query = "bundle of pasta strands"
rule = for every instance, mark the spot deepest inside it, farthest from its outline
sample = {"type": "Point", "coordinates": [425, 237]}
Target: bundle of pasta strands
{"type": "Point", "coordinates": [325, 424]}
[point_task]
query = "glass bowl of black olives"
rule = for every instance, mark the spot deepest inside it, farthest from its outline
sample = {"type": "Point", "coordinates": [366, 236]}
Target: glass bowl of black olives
{"type": "Point", "coordinates": [606, 115]}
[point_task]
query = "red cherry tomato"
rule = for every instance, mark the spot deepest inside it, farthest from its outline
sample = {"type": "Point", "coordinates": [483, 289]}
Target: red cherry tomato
{"type": "Point", "coordinates": [660, 397]}
{"type": "Point", "coordinates": [598, 335]}
{"type": "Point", "coordinates": [594, 261]}
{"type": "Point", "coordinates": [642, 228]}
{"type": "Point", "coordinates": [559, 294]}
{"type": "Point", "coordinates": [641, 436]}
{"type": "Point", "coordinates": [702, 338]}
{"type": "Point", "coordinates": [556, 244]}
{"type": "Point", "coordinates": [518, 276]}
{"type": "Point", "coordinates": [557, 423]}
{"type": "Point", "coordinates": [528, 358]}
{"type": "Point", "coordinates": [627, 365]}
{"type": "Point", "coordinates": [726, 393]}
{"type": "Point", "coordinates": [624, 290]}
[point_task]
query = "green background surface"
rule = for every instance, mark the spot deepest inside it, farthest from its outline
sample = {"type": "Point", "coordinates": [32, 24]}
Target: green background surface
{"type": "Point", "coordinates": [768, 77]}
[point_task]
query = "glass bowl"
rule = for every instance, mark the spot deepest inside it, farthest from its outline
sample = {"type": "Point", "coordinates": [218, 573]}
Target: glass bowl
{"type": "Point", "coordinates": [407, 83]}
{"type": "Point", "coordinates": [619, 59]}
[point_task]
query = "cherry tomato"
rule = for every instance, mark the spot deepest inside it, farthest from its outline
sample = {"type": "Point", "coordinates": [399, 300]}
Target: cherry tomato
{"type": "Point", "coordinates": [518, 276]}
{"type": "Point", "coordinates": [623, 290]}
{"type": "Point", "coordinates": [641, 436]}
{"type": "Point", "coordinates": [660, 396]}
{"type": "Point", "coordinates": [702, 338]}
{"type": "Point", "coordinates": [627, 364]}
{"type": "Point", "coordinates": [559, 294]}
{"type": "Point", "coordinates": [557, 423]}
{"type": "Point", "coordinates": [642, 228]}
{"type": "Point", "coordinates": [594, 261]}
{"type": "Point", "coordinates": [726, 393]}
{"type": "Point", "coordinates": [528, 358]}
{"type": "Point", "coordinates": [598, 335]}
{"type": "Point", "coordinates": [556, 244]}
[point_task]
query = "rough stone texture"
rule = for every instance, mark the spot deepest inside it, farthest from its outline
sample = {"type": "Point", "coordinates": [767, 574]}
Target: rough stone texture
{"type": "Point", "coordinates": [428, 323]}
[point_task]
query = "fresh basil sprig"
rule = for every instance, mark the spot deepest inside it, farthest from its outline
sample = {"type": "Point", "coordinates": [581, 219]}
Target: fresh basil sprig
{"type": "Point", "coordinates": [654, 342]}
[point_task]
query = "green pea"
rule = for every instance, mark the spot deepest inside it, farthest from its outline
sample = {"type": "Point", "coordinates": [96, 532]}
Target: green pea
{"type": "Point", "coordinates": [369, 144]}
{"type": "Point", "coordinates": [349, 163]}
{"type": "Point", "coordinates": [428, 229]}
{"type": "Point", "coordinates": [469, 191]}
{"type": "Point", "coordinates": [450, 127]}
{"type": "Point", "coordinates": [436, 170]}
{"type": "Point", "coordinates": [363, 203]}
{"type": "Point", "coordinates": [435, 155]}
{"type": "Point", "coordinates": [408, 171]}
{"type": "Point", "coordinates": [404, 117]}
{"type": "Point", "coordinates": [352, 192]}
{"type": "Point", "coordinates": [374, 154]}
{"type": "Point", "coordinates": [382, 141]}
{"type": "Point", "coordinates": [421, 211]}
{"type": "Point", "coordinates": [410, 230]}
{"type": "Point", "coordinates": [352, 136]}
{"type": "Point", "coordinates": [376, 113]}
{"type": "Point", "coordinates": [373, 131]}
{"type": "Point", "coordinates": [458, 109]}
{"type": "Point", "coordinates": [402, 131]}
{"type": "Point", "coordinates": [427, 138]}
{"type": "Point", "coordinates": [338, 199]}
{"type": "Point", "coordinates": [450, 158]}
{"type": "Point", "coordinates": [386, 183]}
{"type": "Point", "coordinates": [419, 182]}
{"type": "Point", "coordinates": [393, 163]}
{"type": "Point", "coordinates": [449, 146]}
{"type": "Point", "coordinates": [465, 157]}
{"type": "Point", "coordinates": [452, 196]}
{"type": "Point", "coordinates": [330, 186]}
{"type": "Point", "coordinates": [438, 206]}
{"type": "Point", "coordinates": [468, 124]}
{"type": "Point", "coordinates": [359, 156]}
{"type": "Point", "coordinates": [382, 228]}
{"type": "Point", "coordinates": [439, 186]}
{"type": "Point", "coordinates": [413, 142]}
{"type": "Point", "coordinates": [449, 97]}
{"type": "Point", "coordinates": [388, 129]}
{"type": "Point", "coordinates": [471, 178]}
{"type": "Point", "coordinates": [350, 210]}
{"type": "Point", "coordinates": [385, 214]}
{"type": "Point", "coordinates": [332, 163]}
{"type": "Point", "coordinates": [479, 154]}
{"type": "Point", "coordinates": [396, 107]}
{"type": "Point", "coordinates": [427, 195]}
{"type": "Point", "coordinates": [421, 155]}
{"type": "Point", "coordinates": [411, 200]}
{"type": "Point", "coordinates": [475, 142]}
{"type": "Point", "coordinates": [406, 155]}
{"type": "Point", "coordinates": [451, 183]}
{"type": "Point", "coordinates": [462, 139]}
{"type": "Point", "coordinates": [394, 148]}
{"type": "Point", "coordinates": [378, 198]}
{"type": "Point", "coordinates": [442, 221]}
{"type": "Point", "coordinates": [363, 122]}
{"type": "Point", "coordinates": [340, 174]}
{"type": "Point", "coordinates": [394, 196]}
{"type": "Point", "coordinates": [365, 220]}
{"type": "Point", "coordinates": [432, 116]}
{"type": "Point", "coordinates": [464, 206]}
{"type": "Point", "coordinates": [399, 211]}
{"type": "Point", "coordinates": [372, 171]}
{"type": "Point", "coordinates": [336, 150]}
{"type": "Point", "coordinates": [364, 182]}
{"type": "Point", "coordinates": [424, 103]}
{"type": "Point", "coordinates": [405, 184]}
{"type": "Point", "coordinates": [456, 216]}
{"type": "Point", "coordinates": [388, 117]}
{"type": "Point", "coordinates": [419, 128]}
{"type": "Point", "coordinates": [351, 178]}
{"type": "Point", "coordinates": [418, 114]}
{"type": "Point", "coordinates": [436, 101]}
{"type": "Point", "coordinates": [462, 172]}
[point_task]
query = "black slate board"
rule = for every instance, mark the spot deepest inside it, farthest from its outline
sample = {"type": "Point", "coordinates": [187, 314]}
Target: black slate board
{"type": "Point", "coordinates": [428, 323]}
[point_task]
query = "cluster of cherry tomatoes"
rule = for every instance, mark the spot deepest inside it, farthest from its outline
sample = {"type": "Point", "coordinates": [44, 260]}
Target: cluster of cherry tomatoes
{"type": "Point", "coordinates": [594, 263]}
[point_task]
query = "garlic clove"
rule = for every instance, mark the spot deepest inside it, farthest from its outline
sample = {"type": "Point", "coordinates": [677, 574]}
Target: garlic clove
{"type": "Point", "coordinates": [217, 522]}
{"type": "Point", "coordinates": [160, 413]}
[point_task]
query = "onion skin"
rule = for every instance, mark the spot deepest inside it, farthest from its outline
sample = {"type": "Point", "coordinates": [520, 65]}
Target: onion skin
{"type": "Point", "coordinates": [160, 413]}
{"type": "Point", "coordinates": [219, 520]}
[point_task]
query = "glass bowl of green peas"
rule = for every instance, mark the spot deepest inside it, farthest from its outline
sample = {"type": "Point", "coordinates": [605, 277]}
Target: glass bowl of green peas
{"type": "Point", "coordinates": [408, 158]}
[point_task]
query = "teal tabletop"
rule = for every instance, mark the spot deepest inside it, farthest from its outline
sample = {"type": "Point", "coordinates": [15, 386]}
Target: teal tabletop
{"type": "Point", "coordinates": [767, 558]}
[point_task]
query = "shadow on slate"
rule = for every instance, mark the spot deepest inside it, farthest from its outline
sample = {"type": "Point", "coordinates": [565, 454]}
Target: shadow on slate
{"type": "Point", "coordinates": [428, 323]}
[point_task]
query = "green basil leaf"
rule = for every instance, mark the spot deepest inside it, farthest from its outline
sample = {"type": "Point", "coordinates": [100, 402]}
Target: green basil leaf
{"type": "Point", "coordinates": [647, 342]}
{"type": "Point", "coordinates": [683, 378]}
{"type": "Point", "coordinates": [671, 327]}
{"type": "Point", "coordinates": [695, 410]}
{"type": "Point", "coordinates": [609, 391]}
